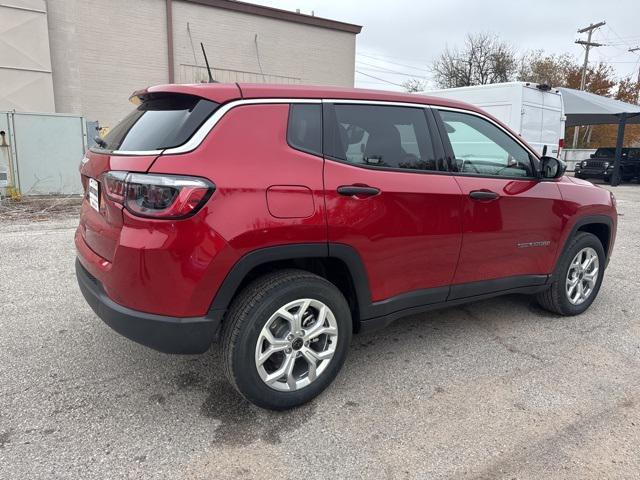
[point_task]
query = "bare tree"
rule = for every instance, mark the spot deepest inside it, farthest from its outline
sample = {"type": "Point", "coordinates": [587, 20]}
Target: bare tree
{"type": "Point", "coordinates": [484, 59]}
{"type": "Point", "coordinates": [414, 85]}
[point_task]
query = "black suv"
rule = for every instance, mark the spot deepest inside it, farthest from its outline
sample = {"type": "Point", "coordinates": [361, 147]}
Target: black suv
{"type": "Point", "coordinates": [600, 165]}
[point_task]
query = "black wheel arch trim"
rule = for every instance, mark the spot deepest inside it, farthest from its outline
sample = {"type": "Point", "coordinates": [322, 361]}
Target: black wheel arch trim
{"type": "Point", "coordinates": [589, 220]}
{"type": "Point", "coordinates": [256, 258]}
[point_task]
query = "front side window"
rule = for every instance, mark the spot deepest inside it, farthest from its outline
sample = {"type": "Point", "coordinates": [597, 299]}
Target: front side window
{"type": "Point", "coordinates": [162, 120]}
{"type": "Point", "coordinates": [482, 148]}
{"type": "Point", "coordinates": [380, 136]}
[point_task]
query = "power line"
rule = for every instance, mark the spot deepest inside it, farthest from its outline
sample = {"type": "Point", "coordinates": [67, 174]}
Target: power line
{"type": "Point", "coordinates": [413, 60]}
{"type": "Point", "coordinates": [376, 68]}
{"type": "Point", "coordinates": [381, 79]}
{"type": "Point", "coordinates": [623, 42]}
{"type": "Point", "coordinates": [395, 63]}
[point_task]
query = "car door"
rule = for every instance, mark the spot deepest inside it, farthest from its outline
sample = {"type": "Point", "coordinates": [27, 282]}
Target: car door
{"type": "Point", "coordinates": [512, 220]}
{"type": "Point", "coordinates": [389, 197]}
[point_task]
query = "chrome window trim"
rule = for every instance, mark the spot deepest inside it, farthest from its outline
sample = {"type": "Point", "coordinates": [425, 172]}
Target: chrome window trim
{"type": "Point", "coordinates": [130, 152]}
{"type": "Point", "coordinates": [204, 130]}
{"type": "Point", "coordinates": [197, 138]}
{"type": "Point", "coordinates": [377, 102]}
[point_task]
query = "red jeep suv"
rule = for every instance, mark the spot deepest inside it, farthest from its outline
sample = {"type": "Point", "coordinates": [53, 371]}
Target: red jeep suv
{"type": "Point", "coordinates": [280, 220]}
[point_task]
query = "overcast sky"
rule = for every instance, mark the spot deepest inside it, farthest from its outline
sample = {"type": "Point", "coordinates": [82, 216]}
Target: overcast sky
{"type": "Point", "coordinates": [405, 36]}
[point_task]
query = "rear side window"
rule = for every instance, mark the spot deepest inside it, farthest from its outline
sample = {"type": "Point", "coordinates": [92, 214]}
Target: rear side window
{"type": "Point", "coordinates": [305, 128]}
{"type": "Point", "coordinates": [160, 121]}
{"type": "Point", "coordinates": [381, 136]}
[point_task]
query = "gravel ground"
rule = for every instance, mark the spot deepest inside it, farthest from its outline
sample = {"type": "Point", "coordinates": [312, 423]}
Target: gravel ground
{"type": "Point", "coordinates": [495, 389]}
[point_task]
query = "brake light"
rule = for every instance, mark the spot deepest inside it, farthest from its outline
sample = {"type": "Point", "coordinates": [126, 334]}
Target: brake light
{"type": "Point", "coordinates": [157, 196]}
{"type": "Point", "coordinates": [561, 143]}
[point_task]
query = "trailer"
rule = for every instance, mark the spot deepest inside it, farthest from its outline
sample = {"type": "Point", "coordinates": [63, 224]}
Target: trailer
{"type": "Point", "coordinates": [534, 111]}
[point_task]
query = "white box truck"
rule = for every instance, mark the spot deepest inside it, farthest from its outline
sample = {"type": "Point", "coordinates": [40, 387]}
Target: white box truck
{"type": "Point", "coordinates": [533, 111]}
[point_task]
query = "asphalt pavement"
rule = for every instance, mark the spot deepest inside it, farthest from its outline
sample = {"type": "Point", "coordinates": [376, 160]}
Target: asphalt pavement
{"type": "Point", "coordinates": [494, 389]}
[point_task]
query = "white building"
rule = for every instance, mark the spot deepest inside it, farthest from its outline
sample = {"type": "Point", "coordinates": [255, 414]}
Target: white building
{"type": "Point", "coordinates": [87, 56]}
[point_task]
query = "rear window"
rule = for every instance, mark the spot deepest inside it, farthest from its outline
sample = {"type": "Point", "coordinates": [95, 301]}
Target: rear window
{"type": "Point", "coordinates": [305, 128]}
{"type": "Point", "coordinates": [160, 121]}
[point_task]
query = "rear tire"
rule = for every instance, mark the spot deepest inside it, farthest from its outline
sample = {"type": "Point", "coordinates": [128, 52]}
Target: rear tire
{"type": "Point", "coordinates": [571, 280]}
{"type": "Point", "coordinates": [280, 313]}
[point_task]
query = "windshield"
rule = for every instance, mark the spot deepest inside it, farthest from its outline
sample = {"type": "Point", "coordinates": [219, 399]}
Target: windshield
{"type": "Point", "coordinates": [606, 153]}
{"type": "Point", "coordinates": [161, 121]}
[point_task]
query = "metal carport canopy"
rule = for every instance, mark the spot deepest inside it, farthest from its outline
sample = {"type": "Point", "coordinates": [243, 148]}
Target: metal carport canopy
{"type": "Point", "coordinates": [584, 108]}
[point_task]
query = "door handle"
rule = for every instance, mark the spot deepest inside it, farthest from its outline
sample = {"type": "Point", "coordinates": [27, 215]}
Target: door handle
{"type": "Point", "coordinates": [483, 195]}
{"type": "Point", "coordinates": [357, 190]}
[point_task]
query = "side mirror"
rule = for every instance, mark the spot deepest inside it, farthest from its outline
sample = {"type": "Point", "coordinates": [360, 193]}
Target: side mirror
{"type": "Point", "coordinates": [449, 128]}
{"type": "Point", "coordinates": [551, 167]}
{"type": "Point", "coordinates": [593, 155]}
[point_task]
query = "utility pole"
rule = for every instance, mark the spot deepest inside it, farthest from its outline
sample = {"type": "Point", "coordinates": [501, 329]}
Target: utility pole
{"type": "Point", "coordinates": [633, 50]}
{"type": "Point", "coordinates": [587, 45]}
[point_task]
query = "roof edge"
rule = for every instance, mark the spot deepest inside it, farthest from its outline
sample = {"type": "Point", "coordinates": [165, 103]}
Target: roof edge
{"type": "Point", "coordinates": [279, 14]}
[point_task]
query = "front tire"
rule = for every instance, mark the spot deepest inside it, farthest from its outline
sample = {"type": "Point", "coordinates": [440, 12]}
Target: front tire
{"type": "Point", "coordinates": [578, 276]}
{"type": "Point", "coordinates": [285, 338]}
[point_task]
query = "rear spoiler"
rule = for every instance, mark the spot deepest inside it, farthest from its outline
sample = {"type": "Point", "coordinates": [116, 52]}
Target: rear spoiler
{"type": "Point", "coordinates": [137, 96]}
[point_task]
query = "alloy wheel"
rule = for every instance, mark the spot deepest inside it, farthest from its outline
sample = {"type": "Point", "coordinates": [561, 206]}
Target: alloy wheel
{"type": "Point", "coordinates": [582, 275]}
{"type": "Point", "coordinates": [296, 344]}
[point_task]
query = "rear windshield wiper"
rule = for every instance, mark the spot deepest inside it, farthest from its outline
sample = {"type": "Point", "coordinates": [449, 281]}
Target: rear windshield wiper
{"type": "Point", "coordinates": [101, 143]}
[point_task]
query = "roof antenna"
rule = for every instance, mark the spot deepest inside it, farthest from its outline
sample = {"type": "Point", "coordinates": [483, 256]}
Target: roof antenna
{"type": "Point", "coordinates": [211, 80]}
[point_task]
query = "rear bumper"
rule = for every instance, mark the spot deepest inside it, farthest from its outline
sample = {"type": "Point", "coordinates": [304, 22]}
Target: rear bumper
{"type": "Point", "coordinates": [162, 333]}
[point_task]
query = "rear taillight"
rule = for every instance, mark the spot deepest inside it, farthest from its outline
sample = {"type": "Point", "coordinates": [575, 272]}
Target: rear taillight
{"type": "Point", "coordinates": [165, 196]}
{"type": "Point", "coordinates": [113, 184]}
{"type": "Point", "coordinates": [157, 196]}
{"type": "Point", "coordinates": [561, 143]}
